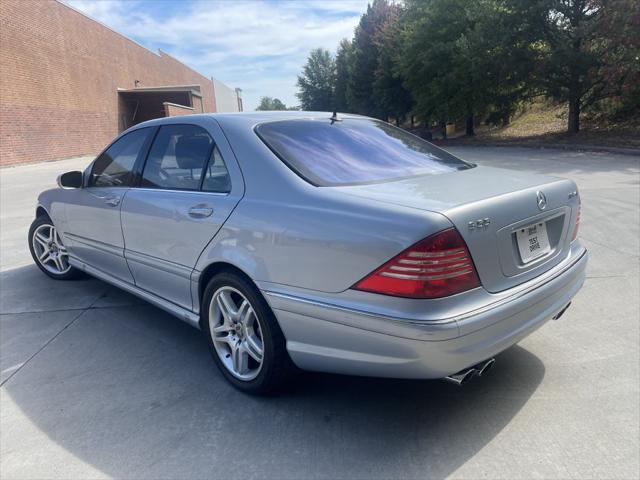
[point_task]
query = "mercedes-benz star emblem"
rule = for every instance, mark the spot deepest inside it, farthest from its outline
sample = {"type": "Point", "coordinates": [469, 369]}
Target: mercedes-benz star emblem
{"type": "Point", "coordinates": [542, 200]}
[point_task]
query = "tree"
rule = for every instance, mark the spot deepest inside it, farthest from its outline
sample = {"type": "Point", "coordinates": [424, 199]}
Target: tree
{"type": "Point", "coordinates": [361, 97]}
{"type": "Point", "coordinates": [512, 54]}
{"type": "Point", "coordinates": [591, 53]}
{"type": "Point", "coordinates": [468, 59]}
{"type": "Point", "coordinates": [343, 71]}
{"type": "Point", "coordinates": [389, 92]}
{"type": "Point", "coordinates": [317, 82]}
{"type": "Point", "coordinates": [621, 59]}
{"type": "Point", "coordinates": [573, 56]}
{"type": "Point", "coordinates": [269, 103]}
{"type": "Point", "coordinates": [438, 61]}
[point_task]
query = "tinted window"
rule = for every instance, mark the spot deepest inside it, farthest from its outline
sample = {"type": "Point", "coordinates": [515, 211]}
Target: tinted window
{"type": "Point", "coordinates": [216, 177]}
{"type": "Point", "coordinates": [114, 167]}
{"type": "Point", "coordinates": [177, 158]}
{"type": "Point", "coordinates": [354, 151]}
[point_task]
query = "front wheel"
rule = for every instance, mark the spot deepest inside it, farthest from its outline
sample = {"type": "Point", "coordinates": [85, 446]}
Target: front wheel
{"type": "Point", "coordinates": [48, 251]}
{"type": "Point", "coordinates": [243, 335]}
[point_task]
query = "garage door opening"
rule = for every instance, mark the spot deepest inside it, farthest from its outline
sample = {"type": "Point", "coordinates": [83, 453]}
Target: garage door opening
{"type": "Point", "coordinates": [138, 105]}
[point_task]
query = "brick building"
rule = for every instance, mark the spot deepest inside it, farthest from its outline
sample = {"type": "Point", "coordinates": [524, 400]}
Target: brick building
{"type": "Point", "coordinates": [69, 84]}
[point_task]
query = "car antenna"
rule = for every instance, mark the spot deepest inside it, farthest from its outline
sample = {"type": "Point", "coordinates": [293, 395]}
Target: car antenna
{"type": "Point", "coordinates": [334, 118]}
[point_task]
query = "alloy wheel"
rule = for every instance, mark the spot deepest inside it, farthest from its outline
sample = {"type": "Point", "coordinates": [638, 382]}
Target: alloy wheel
{"type": "Point", "coordinates": [236, 333]}
{"type": "Point", "coordinates": [50, 251]}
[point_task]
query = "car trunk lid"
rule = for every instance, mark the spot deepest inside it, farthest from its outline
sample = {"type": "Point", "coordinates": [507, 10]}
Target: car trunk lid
{"type": "Point", "coordinates": [489, 206]}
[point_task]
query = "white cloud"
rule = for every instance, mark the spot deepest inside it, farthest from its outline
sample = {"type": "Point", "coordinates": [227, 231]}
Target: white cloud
{"type": "Point", "coordinates": [257, 46]}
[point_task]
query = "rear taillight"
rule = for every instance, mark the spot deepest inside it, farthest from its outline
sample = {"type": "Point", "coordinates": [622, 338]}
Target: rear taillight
{"type": "Point", "coordinates": [577, 225]}
{"type": "Point", "coordinates": [438, 266]}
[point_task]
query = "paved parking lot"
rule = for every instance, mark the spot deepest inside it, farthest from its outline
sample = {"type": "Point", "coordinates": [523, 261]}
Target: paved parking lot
{"type": "Point", "coordinates": [96, 383]}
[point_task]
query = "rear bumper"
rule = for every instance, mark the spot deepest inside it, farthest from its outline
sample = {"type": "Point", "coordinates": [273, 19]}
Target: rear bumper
{"type": "Point", "coordinates": [326, 337]}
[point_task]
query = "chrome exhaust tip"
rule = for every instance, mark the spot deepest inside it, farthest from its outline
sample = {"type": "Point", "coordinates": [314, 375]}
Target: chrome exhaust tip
{"type": "Point", "coordinates": [484, 367]}
{"type": "Point", "coordinates": [461, 377]}
{"type": "Point", "coordinates": [561, 312]}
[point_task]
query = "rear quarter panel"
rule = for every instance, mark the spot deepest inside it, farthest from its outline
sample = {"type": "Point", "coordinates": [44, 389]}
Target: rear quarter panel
{"type": "Point", "coordinates": [314, 242]}
{"type": "Point", "coordinates": [286, 231]}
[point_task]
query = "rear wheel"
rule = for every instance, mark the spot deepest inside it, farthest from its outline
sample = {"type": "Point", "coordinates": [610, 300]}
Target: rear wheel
{"type": "Point", "coordinates": [243, 335]}
{"type": "Point", "coordinates": [48, 250]}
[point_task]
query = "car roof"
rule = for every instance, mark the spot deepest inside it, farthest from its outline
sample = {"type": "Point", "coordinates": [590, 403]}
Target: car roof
{"type": "Point", "coordinates": [248, 119]}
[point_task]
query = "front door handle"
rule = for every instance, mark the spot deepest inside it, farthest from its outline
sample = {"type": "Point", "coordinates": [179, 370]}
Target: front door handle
{"type": "Point", "coordinates": [200, 211]}
{"type": "Point", "coordinates": [112, 201]}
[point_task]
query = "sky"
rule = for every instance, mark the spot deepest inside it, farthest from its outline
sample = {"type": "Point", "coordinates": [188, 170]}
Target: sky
{"type": "Point", "coordinates": [258, 46]}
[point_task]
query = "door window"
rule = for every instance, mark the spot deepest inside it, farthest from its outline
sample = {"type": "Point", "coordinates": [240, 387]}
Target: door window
{"type": "Point", "coordinates": [114, 167]}
{"type": "Point", "coordinates": [216, 177]}
{"type": "Point", "coordinates": [177, 158]}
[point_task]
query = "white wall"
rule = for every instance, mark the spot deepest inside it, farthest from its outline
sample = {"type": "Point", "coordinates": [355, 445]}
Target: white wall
{"type": "Point", "coordinates": [226, 97]}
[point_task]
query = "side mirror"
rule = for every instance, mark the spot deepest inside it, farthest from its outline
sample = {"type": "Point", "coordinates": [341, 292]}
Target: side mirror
{"type": "Point", "coordinates": [70, 180]}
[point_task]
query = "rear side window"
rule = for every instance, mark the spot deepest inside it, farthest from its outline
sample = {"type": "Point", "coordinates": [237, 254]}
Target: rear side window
{"type": "Point", "coordinates": [354, 151]}
{"type": "Point", "coordinates": [178, 157]}
{"type": "Point", "coordinates": [114, 167]}
{"type": "Point", "coordinates": [216, 177]}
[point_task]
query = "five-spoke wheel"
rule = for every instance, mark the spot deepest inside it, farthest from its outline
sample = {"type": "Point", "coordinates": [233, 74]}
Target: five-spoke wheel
{"type": "Point", "coordinates": [236, 333]}
{"type": "Point", "coordinates": [243, 334]}
{"type": "Point", "coordinates": [48, 251]}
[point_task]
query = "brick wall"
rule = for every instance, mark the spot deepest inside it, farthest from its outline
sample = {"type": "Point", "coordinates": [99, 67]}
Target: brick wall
{"type": "Point", "coordinates": [59, 76]}
{"type": "Point", "coordinates": [173, 110]}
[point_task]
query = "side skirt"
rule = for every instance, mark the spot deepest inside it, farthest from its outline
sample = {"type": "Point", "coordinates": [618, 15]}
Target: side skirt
{"type": "Point", "coordinates": [175, 310]}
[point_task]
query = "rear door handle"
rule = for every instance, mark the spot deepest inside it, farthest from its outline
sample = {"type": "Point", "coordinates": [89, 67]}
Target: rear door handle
{"type": "Point", "coordinates": [200, 211]}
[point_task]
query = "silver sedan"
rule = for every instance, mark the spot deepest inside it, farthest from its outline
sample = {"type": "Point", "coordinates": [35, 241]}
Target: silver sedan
{"type": "Point", "coordinates": [337, 243]}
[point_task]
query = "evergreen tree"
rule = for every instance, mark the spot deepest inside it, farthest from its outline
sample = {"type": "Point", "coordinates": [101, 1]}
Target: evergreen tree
{"type": "Point", "coordinates": [317, 82]}
{"type": "Point", "coordinates": [360, 95]}
{"type": "Point", "coordinates": [586, 60]}
{"type": "Point", "coordinates": [343, 69]}
{"type": "Point", "coordinates": [389, 93]}
{"type": "Point", "coordinates": [469, 59]}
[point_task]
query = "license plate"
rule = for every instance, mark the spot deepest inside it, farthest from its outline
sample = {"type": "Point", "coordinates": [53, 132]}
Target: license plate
{"type": "Point", "coordinates": [533, 242]}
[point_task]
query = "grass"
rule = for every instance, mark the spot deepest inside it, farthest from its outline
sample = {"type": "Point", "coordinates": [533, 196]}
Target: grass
{"type": "Point", "coordinates": [543, 124]}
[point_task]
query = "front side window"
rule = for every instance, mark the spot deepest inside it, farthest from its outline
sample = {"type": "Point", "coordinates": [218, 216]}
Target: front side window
{"type": "Point", "coordinates": [114, 167]}
{"type": "Point", "coordinates": [354, 151]}
{"type": "Point", "coordinates": [177, 158]}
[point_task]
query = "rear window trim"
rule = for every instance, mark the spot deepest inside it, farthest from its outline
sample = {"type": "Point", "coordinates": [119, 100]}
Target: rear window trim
{"type": "Point", "coordinates": [256, 130]}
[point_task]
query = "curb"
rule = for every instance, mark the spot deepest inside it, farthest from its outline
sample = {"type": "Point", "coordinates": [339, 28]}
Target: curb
{"type": "Point", "coordinates": [557, 146]}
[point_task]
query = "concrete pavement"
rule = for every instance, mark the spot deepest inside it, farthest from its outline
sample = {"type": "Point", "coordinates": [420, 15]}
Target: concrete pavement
{"type": "Point", "coordinates": [96, 383]}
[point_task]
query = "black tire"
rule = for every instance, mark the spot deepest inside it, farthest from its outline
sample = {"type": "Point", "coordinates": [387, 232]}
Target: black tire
{"type": "Point", "coordinates": [276, 366]}
{"type": "Point", "coordinates": [70, 274]}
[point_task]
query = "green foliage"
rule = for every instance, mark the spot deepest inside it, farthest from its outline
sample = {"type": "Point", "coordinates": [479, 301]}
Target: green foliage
{"type": "Point", "coordinates": [389, 92]}
{"type": "Point", "coordinates": [343, 71]}
{"type": "Point", "coordinates": [572, 55]}
{"type": "Point", "coordinates": [317, 82]}
{"type": "Point", "coordinates": [592, 55]}
{"type": "Point", "coordinates": [620, 27]}
{"type": "Point", "coordinates": [448, 60]}
{"type": "Point", "coordinates": [270, 103]}
{"type": "Point", "coordinates": [468, 59]}
{"type": "Point", "coordinates": [361, 95]}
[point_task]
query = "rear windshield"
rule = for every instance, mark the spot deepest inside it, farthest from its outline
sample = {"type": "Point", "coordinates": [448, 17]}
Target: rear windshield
{"type": "Point", "coordinates": [354, 151]}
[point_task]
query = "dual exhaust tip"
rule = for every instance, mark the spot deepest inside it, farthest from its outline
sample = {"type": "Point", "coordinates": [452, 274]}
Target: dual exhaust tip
{"type": "Point", "coordinates": [467, 374]}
